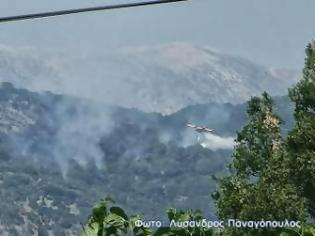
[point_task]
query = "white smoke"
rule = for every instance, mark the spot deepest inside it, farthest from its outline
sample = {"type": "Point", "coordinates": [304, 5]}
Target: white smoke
{"type": "Point", "coordinates": [215, 142]}
{"type": "Point", "coordinates": [79, 135]}
{"type": "Point", "coordinates": [206, 140]}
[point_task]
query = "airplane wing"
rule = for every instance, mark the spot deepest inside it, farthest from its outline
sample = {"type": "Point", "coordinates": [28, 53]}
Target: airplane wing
{"type": "Point", "coordinates": [209, 130]}
{"type": "Point", "coordinates": [191, 125]}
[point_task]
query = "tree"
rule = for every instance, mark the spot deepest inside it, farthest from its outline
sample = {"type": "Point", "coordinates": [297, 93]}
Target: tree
{"type": "Point", "coordinates": [300, 143]}
{"type": "Point", "coordinates": [258, 140]}
{"type": "Point", "coordinates": [259, 186]}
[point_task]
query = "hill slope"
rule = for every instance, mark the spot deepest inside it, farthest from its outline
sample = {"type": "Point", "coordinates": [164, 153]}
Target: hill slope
{"type": "Point", "coordinates": [59, 155]}
{"type": "Point", "coordinates": [153, 79]}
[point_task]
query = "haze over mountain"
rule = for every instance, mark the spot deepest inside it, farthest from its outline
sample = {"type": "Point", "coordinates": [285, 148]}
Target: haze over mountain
{"type": "Point", "coordinates": [160, 79]}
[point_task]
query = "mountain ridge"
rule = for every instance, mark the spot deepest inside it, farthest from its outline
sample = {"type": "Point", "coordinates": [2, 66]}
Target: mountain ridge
{"type": "Point", "coordinates": [163, 78]}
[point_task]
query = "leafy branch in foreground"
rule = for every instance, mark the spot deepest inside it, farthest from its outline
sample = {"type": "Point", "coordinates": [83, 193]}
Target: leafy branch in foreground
{"type": "Point", "coordinates": [107, 220]}
{"type": "Point", "coordinates": [112, 220]}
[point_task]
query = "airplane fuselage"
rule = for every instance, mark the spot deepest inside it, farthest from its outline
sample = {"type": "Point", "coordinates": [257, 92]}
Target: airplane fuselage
{"type": "Point", "coordinates": [200, 129]}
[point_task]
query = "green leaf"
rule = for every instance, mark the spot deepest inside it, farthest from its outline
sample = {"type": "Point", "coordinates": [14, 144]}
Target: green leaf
{"type": "Point", "coordinates": [116, 221]}
{"type": "Point", "coordinates": [163, 231]}
{"type": "Point", "coordinates": [90, 230]}
{"type": "Point", "coordinates": [119, 211]}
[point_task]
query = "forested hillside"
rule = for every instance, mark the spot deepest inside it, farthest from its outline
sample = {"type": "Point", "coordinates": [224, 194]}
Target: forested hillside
{"type": "Point", "coordinates": [55, 164]}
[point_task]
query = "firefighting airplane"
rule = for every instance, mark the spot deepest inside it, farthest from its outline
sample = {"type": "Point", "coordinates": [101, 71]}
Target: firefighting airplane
{"type": "Point", "coordinates": [200, 129]}
{"type": "Point", "coordinates": [88, 9]}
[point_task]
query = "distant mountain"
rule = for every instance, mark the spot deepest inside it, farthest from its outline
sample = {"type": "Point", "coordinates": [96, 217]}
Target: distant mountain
{"type": "Point", "coordinates": [161, 79]}
{"type": "Point", "coordinates": [60, 154]}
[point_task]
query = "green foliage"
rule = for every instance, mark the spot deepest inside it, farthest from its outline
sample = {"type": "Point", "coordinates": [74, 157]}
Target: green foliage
{"type": "Point", "coordinates": [272, 178]}
{"type": "Point", "coordinates": [257, 187]}
{"type": "Point", "coordinates": [182, 216]}
{"type": "Point", "coordinates": [301, 139]}
{"type": "Point", "coordinates": [92, 230]}
{"type": "Point", "coordinates": [258, 140]}
{"type": "Point", "coordinates": [114, 221]}
{"type": "Point", "coordinates": [106, 220]}
{"type": "Point", "coordinates": [303, 94]}
{"type": "Point", "coordinates": [305, 230]}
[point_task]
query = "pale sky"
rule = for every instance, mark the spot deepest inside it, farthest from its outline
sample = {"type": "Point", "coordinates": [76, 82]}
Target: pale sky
{"type": "Point", "coordinates": [270, 32]}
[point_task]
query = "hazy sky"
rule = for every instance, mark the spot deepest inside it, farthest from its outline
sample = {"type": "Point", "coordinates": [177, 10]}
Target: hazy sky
{"type": "Point", "coordinates": [270, 32]}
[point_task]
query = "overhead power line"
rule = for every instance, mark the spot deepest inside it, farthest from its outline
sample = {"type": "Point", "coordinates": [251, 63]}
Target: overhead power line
{"type": "Point", "coordinates": [80, 10]}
